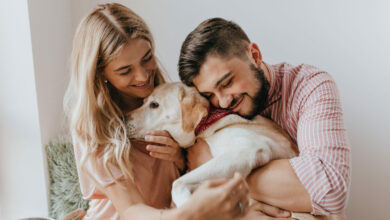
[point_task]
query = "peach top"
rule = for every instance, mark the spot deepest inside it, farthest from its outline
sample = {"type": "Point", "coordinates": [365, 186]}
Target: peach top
{"type": "Point", "coordinates": [153, 178]}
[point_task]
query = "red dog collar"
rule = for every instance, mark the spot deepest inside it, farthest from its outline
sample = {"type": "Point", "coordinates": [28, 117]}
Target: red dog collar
{"type": "Point", "coordinates": [214, 114]}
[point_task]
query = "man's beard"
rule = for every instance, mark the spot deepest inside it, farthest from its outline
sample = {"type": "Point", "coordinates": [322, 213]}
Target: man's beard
{"type": "Point", "coordinates": [260, 99]}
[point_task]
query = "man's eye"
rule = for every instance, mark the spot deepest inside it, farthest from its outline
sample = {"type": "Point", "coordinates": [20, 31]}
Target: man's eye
{"type": "Point", "coordinates": [208, 96]}
{"type": "Point", "coordinates": [228, 83]}
{"type": "Point", "coordinates": [153, 105]}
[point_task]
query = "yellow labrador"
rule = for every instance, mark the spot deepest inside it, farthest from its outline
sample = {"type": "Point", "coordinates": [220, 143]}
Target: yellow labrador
{"type": "Point", "coordinates": [237, 144]}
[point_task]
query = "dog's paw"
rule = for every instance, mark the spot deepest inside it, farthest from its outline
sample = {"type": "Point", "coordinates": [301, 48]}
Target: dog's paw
{"type": "Point", "coordinates": [180, 193]}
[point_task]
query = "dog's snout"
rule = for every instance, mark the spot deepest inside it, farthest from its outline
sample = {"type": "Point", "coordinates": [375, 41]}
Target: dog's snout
{"type": "Point", "coordinates": [128, 117]}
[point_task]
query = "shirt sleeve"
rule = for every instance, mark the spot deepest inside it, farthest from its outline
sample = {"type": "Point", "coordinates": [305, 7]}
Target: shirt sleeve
{"type": "Point", "coordinates": [323, 165]}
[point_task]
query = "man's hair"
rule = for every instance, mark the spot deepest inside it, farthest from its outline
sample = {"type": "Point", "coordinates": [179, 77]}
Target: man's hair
{"type": "Point", "coordinates": [214, 36]}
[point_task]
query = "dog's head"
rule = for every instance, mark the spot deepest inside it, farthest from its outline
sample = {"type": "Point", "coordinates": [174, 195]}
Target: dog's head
{"type": "Point", "coordinates": [174, 107]}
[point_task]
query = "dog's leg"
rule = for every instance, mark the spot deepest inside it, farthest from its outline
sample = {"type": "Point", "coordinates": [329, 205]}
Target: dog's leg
{"type": "Point", "coordinates": [181, 191]}
{"type": "Point", "coordinates": [222, 166]}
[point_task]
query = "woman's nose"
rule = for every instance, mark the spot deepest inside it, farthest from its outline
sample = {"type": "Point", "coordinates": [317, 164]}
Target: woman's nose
{"type": "Point", "coordinates": [141, 75]}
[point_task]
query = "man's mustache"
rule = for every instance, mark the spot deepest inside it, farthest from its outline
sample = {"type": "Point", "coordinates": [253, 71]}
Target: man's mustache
{"type": "Point", "coordinates": [234, 101]}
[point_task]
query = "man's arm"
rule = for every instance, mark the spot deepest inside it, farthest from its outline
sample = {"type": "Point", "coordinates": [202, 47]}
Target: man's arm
{"type": "Point", "coordinates": [277, 184]}
{"type": "Point", "coordinates": [323, 165]}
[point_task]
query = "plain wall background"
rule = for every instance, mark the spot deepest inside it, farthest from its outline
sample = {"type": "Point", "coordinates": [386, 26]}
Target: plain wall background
{"type": "Point", "coordinates": [35, 42]}
{"type": "Point", "coordinates": [22, 179]}
{"type": "Point", "coordinates": [51, 36]}
{"type": "Point", "coordinates": [347, 38]}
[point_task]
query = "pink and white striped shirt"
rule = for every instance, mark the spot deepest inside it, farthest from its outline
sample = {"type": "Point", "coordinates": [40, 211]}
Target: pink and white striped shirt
{"type": "Point", "coordinates": [305, 102]}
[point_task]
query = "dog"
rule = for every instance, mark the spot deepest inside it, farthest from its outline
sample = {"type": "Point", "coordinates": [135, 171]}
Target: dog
{"type": "Point", "coordinates": [237, 144]}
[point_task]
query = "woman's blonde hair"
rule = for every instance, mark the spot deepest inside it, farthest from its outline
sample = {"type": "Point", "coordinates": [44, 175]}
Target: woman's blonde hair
{"type": "Point", "coordinates": [96, 119]}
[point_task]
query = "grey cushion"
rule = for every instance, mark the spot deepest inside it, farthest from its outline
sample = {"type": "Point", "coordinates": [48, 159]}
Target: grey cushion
{"type": "Point", "coordinates": [65, 195]}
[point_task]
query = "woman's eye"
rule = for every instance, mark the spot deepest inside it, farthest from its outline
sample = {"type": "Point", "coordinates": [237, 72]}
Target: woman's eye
{"type": "Point", "coordinates": [125, 73]}
{"type": "Point", "coordinates": [153, 105]}
{"type": "Point", "coordinates": [147, 59]}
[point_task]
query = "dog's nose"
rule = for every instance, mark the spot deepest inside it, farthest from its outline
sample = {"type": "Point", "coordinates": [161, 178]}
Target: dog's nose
{"type": "Point", "coordinates": [128, 117]}
{"type": "Point", "coordinates": [131, 130]}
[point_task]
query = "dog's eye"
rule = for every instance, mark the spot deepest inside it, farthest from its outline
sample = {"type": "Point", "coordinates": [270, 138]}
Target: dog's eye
{"type": "Point", "coordinates": [153, 105]}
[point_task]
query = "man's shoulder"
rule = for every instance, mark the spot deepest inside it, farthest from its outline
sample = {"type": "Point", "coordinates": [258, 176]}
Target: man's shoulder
{"type": "Point", "coordinates": [301, 69]}
{"type": "Point", "coordinates": [301, 75]}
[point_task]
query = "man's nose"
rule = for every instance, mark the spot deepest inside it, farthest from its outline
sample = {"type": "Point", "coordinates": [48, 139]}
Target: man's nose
{"type": "Point", "coordinates": [225, 100]}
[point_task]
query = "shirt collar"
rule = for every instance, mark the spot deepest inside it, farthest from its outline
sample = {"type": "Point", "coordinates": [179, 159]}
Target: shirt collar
{"type": "Point", "coordinates": [274, 82]}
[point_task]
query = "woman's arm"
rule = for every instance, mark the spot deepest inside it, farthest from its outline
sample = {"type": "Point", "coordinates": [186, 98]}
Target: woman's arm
{"type": "Point", "coordinates": [128, 201]}
{"type": "Point", "coordinates": [130, 205]}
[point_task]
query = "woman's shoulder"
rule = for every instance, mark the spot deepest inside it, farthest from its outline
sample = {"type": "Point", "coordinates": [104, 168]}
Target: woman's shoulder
{"type": "Point", "coordinates": [93, 168]}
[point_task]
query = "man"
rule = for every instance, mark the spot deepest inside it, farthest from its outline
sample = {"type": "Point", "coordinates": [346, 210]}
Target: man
{"type": "Point", "coordinates": [228, 69]}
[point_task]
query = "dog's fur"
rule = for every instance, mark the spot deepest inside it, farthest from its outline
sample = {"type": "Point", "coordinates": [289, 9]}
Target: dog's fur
{"type": "Point", "coordinates": [237, 144]}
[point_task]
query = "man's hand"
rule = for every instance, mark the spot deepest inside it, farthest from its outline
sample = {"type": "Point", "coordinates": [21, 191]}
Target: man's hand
{"type": "Point", "coordinates": [269, 210]}
{"type": "Point", "coordinates": [262, 211]}
{"type": "Point", "coordinates": [198, 154]}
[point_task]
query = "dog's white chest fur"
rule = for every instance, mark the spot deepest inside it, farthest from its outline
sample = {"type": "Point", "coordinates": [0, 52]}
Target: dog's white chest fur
{"type": "Point", "coordinates": [237, 145]}
{"type": "Point", "coordinates": [230, 135]}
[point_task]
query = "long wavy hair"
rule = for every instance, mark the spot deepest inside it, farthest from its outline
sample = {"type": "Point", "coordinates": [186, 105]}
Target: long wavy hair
{"type": "Point", "coordinates": [92, 106]}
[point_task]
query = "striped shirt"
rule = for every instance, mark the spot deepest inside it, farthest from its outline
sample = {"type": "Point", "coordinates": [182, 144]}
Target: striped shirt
{"type": "Point", "coordinates": [305, 102]}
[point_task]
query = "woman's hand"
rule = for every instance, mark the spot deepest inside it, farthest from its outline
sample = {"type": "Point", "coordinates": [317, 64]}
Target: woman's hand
{"type": "Point", "coordinates": [218, 199]}
{"type": "Point", "coordinates": [163, 146]}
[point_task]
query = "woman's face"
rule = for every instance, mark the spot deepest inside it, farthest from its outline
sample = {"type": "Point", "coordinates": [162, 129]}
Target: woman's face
{"type": "Point", "coordinates": [133, 71]}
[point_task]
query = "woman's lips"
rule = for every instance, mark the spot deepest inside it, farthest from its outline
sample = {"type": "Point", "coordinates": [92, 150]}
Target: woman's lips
{"type": "Point", "coordinates": [145, 85]}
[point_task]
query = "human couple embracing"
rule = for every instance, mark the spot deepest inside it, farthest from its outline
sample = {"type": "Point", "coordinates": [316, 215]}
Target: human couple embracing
{"type": "Point", "coordinates": [114, 70]}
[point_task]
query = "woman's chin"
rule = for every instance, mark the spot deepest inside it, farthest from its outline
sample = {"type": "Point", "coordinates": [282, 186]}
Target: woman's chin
{"type": "Point", "coordinates": [142, 93]}
{"type": "Point", "coordinates": [147, 92]}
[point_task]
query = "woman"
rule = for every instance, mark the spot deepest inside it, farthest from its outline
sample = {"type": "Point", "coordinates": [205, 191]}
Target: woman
{"type": "Point", "coordinates": [113, 70]}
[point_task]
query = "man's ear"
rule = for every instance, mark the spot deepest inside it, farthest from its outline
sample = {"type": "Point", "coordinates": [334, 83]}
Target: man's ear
{"type": "Point", "coordinates": [192, 110]}
{"type": "Point", "coordinates": [255, 54]}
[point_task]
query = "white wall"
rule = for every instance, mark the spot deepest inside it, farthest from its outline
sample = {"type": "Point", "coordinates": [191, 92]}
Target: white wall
{"type": "Point", "coordinates": [348, 38]}
{"type": "Point", "coordinates": [35, 65]}
{"type": "Point", "coordinates": [51, 35]}
{"type": "Point", "coordinates": [22, 181]}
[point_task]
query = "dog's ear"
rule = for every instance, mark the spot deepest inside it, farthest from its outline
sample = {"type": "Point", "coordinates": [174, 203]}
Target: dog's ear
{"type": "Point", "coordinates": [182, 93]}
{"type": "Point", "coordinates": [193, 109]}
